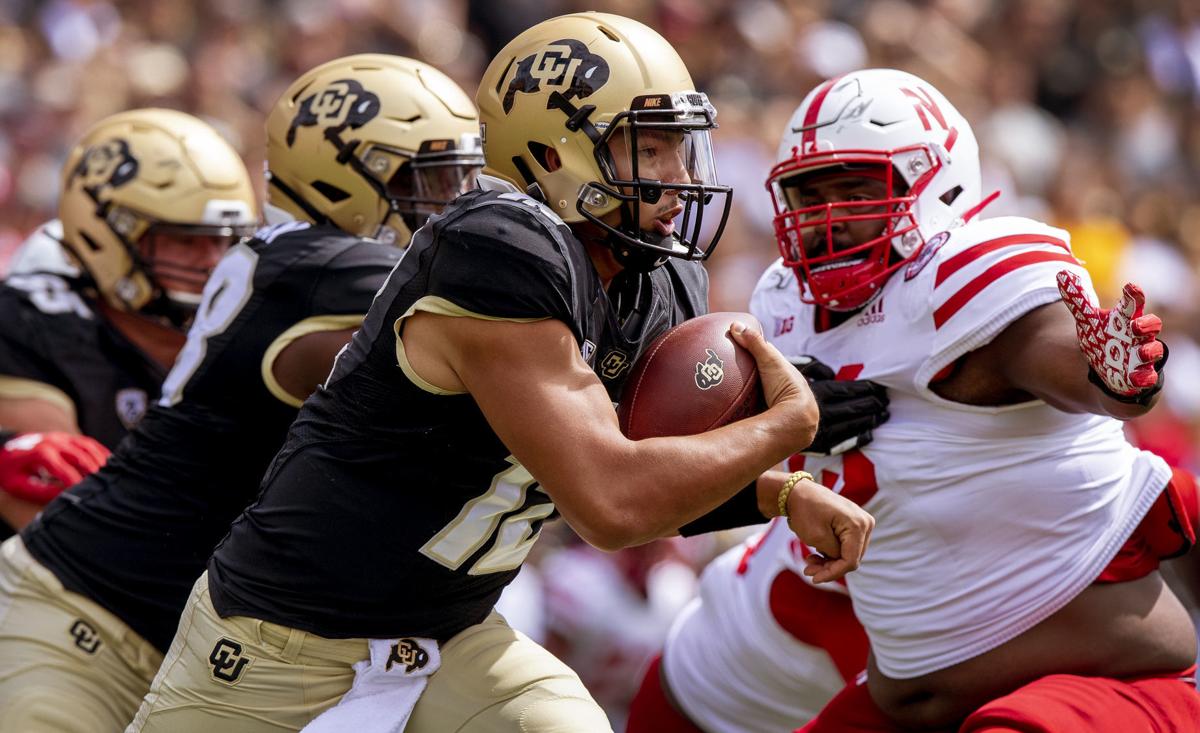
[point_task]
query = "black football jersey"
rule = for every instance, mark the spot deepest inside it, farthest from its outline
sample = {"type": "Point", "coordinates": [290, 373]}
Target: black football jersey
{"type": "Point", "coordinates": [50, 332]}
{"type": "Point", "coordinates": [135, 535]}
{"type": "Point", "coordinates": [393, 509]}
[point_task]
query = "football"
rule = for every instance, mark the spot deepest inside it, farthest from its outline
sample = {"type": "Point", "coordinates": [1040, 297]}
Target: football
{"type": "Point", "coordinates": [691, 379]}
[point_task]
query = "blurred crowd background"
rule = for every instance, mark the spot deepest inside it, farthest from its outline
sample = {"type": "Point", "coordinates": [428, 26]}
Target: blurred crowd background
{"type": "Point", "coordinates": [1086, 111]}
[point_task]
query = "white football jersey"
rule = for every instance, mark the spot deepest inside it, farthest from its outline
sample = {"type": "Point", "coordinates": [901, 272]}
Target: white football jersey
{"type": "Point", "coordinates": [739, 659]}
{"type": "Point", "coordinates": [988, 519]}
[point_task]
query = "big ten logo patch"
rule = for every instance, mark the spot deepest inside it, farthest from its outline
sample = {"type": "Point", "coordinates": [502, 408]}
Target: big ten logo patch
{"type": "Point", "coordinates": [227, 661]}
{"type": "Point", "coordinates": [565, 66]}
{"type": "Point", "coordinates": [341, 104]}
{"type": "Point", "coordinates": [784, 325]}
{"type": "Point", "coordinates": [409, 653]}
{"type": "Point", "coordinates": [109, 163]}
{"type": "Point", "coordinates": [86, 636]}
{"type": "Point", "coordinates": [613, 364]}
{"type": "Point", "coordinates": [710, 372]}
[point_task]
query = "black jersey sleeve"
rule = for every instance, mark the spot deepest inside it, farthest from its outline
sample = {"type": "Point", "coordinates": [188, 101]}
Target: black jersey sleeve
{"type": "Point", "coordinates": [510, 263]}
{"type": "Point", "coordinates": [348, 283]}
{"type": "Point", "coordinates": [25, 333]}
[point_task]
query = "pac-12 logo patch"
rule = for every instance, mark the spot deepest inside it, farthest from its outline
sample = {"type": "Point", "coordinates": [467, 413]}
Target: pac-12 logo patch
{"type": "Point", "coordinates": [564, 66]}
{"type": "Point", "coordinates": [131, 406]}
{"type": "Point", "coordinates": [925, 254]}
{"type": "Point", "coordinates": [344, 103]}
{"type": "Point", "coordinates": [710, 372]}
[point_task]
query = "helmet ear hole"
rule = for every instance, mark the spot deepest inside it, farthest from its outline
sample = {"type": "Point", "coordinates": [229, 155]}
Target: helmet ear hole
{"type": "Point", "coordinates": [948, 197]}
{"type": "Point", "coordinates": [332, 193]}
{"type": "Point", "coordinates": [539, 153]}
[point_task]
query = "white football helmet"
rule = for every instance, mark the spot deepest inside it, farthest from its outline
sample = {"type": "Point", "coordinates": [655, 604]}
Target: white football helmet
{"type": "Point", "coordinates": [896, 127]}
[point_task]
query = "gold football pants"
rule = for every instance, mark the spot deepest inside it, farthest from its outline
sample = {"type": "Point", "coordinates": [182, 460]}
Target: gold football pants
{"type": "Point", "coordinates": [66, 664]}
{"type": "Point", "coordinates": [243, 675]}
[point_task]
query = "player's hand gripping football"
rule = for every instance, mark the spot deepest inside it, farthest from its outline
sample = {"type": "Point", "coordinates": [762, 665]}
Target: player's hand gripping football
{"type": "Point", "coordinates": [36, 467]}
{"type": "Point", "coordinates": [850, 409]}
{"type": "Point", "coordinates": [836, 527]}
{"type": "Point", "coordinates": [1121, 344]}
{"type": "Point", "coordinates": [779, 379]}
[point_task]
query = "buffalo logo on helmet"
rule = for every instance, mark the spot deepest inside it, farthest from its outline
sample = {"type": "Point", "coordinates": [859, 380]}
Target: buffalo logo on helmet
{"type": "Point", "coordinates": [343, 103]}
{"type": "Point", "coordinates": [106, 164]}
{"type": "Point", "coordinates": [565, 66]}
{"type": "Point", "coordinates": [710, 372]}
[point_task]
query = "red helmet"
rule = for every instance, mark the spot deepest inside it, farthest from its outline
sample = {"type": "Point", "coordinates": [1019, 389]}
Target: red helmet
{"type": "Point", "coordinates": [877, 123]}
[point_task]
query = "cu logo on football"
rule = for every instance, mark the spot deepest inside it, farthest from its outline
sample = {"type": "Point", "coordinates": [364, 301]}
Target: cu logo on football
{"type": "Point", "coordinates": [227, 661]}
{"type": "Point", "coordinates": [710, 372]}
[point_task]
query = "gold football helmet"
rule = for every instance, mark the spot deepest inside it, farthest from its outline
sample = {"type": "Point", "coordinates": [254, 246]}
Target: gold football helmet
{"type": "Point", "coordinates": [150, 172]}
{"type": "Point", "coordinates": [594, 114]}
{"type": "Point", "coordinates": [372, 144]}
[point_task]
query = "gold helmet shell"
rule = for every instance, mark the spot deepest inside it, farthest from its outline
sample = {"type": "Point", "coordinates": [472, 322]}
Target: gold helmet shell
{"type": "Point", "coordinates": [371, 144]}
{"type": "Point", "coordinates": [142, 170]}
{"type": "Point", "coordinates": [571, 85]}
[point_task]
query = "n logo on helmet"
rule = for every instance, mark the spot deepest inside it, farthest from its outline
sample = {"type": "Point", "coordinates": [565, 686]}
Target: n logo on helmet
{"type": "Point", "coordinates": [344, 103]}
{"type": "Point", "coordinates": [565, 66]}
{"type": "Point", "coordinates": [107, 164]}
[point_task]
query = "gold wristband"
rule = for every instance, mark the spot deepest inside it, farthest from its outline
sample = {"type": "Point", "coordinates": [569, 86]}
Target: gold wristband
{"type": "Point", "coordinates": [788, 485]}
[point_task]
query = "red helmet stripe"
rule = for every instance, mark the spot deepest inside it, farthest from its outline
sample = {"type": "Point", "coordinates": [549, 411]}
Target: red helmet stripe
{"type": "Point", "coordinates": [810, 117]}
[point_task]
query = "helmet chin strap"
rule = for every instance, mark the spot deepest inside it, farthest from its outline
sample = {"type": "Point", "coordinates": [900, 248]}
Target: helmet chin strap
{"type": "Point", "coordinates": [632, 258]}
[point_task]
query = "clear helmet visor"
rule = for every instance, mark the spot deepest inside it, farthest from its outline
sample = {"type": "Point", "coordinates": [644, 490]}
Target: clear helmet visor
{"type": "Point", "coordinates": [660, 165]}
{"type": "Point", "coordinates": [419, 185]}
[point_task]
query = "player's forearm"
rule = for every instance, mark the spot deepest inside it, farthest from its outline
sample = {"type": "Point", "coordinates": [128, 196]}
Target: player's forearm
{"type": "Point", "coordinates": [652, 487]}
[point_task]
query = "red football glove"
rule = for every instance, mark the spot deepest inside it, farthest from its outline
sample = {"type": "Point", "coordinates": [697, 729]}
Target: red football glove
{"type": "Point", "coordinates": [1121, 343]}
{"type": "Point", "coordinates": [36, 467]}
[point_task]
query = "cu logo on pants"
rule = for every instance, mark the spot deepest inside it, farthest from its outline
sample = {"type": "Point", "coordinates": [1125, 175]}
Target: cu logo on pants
{"type": "Point", "coordinates": [227, 661]}
{"type": "Point", "coordinates": [86, 637]}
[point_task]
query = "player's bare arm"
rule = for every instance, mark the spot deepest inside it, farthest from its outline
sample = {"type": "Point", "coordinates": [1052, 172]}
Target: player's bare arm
{"type": "Point", "coordinates": [1038, 356]}
{"type": "Point", "coordinates": [551, 410]}
{"type": "Point", "coordinates": [35, 414]}
{"type": "Point", "coordinates": [838, 528]}
{"type": "Point", "coordinates": [305, 363]}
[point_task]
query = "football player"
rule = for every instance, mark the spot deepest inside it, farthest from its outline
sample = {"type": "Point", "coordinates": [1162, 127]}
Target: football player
{"type": "Point", "coordinates": [150, 200]}
{"type": "Point", "coordinates": [475, 403]}
{"type": "Point", "coordinates": [1013, 578]}
{"type": "Point", "coordinates": [360, 149]}
{"type": "Point", "coordinates": [783, 644]}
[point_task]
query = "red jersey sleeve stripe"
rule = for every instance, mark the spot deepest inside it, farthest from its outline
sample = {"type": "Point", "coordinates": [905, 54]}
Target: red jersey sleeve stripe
{"type": "Point", "coordinates": [967, 256]}
{"type": "Point", "coordinates": [955, 302]}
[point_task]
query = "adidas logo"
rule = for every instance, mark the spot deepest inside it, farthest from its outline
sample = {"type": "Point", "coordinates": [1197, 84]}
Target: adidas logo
{"type": "Point", "coordinates": [873, 313]}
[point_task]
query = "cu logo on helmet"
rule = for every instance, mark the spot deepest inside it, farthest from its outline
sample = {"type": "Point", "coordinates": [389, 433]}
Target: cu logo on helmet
{"type": "Point", "coordinates": [106, 164]}
{"type": "Point", "coordinates": [343, 103]}
{"type": "Point", "coordinates": [565, 66]}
